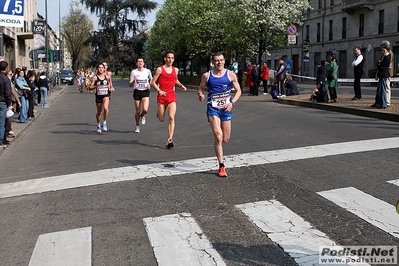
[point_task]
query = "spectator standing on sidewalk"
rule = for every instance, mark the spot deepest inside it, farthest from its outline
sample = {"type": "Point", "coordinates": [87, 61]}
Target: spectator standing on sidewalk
{"type": "Point", "coordinates": [140, 79]}
{"type": "Point", "coordinates": [383, 78]}
{"type": "Point", "coordinates": [280, 76]}
{"type": "Point", "coordinates": [249, 81]}
{"type": "Point", "coordinates": [5, 100]}
{"type": "Point", "coordinates": [15, 102]}
{"type": "Point", "coordinates": [332, 77]}
{"type": "Point", "coordinates": [240, 75]}
{"type": "Point", "coordinates": [220, 103]}
{"type": "Point", "coordinates": [321, 74]}
{"type": "Point", "coordinates": [357, 65]}
{"type": "Point", "coordinates": [24, 90]}
{"type": "Point", "coordinates": [43, 85]}
{"type": "Point", "coordinates": [391, 70]}
{"type": "Point", "coordinates": [265, 77]}
{"type": "Point", "coordinates": [32, 94]}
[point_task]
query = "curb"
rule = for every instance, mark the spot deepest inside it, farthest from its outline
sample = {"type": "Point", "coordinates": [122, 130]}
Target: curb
{"type": "Point", "coordinates": [341, 109]}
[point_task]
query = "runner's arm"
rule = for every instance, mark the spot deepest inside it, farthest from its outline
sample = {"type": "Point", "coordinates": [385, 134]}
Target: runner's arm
{"type": "Point", "coordinates": [236, 86]}
{"type": "Point", "coordinates": [202, 86]}
{"type": "Point", "coordinates": [155, 79]}
{"type": "Point", "coordinates": [178, 83]}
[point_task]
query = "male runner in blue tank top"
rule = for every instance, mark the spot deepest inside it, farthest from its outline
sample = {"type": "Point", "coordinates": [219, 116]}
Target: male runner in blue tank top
{"type": "Point", "coordinates": [219, 82]}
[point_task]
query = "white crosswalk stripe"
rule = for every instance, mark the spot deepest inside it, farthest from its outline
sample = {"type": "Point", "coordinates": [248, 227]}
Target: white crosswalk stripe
{"type": "Point", "coordinates": [178, 240]}
{"type": "Point", "coordinates": [290, 231]}
{"type": "Point", "coordinates": [374, 211]}
{"type": "Point", "coordinates": [65, 248]}
{"type": "Point", "coordinates": [130, 173]}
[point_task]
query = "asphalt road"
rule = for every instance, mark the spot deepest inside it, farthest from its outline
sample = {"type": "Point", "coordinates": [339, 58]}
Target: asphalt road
{"type": "Point", "coordinates": [64, 141]}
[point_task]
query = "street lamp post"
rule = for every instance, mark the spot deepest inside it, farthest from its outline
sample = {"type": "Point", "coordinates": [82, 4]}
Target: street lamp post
{"type": "Point", "coordinates": [46, 53]}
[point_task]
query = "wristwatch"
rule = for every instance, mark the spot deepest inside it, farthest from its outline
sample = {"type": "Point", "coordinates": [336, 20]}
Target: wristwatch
{"type": "Point", "coordinates": [233, 103]}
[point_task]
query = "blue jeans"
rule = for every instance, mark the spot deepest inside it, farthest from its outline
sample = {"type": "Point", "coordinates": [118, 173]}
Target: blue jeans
{"type": "Point", "coordinates": [43, 92]}
{"type": "Point", "coordinates": [3, 112]}
{"type": "Point", "coordinates": [23, 112]}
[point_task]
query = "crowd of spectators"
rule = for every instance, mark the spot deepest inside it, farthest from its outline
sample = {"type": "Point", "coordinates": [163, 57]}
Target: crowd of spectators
{"type": "Point", "coordinates": [28, 89]}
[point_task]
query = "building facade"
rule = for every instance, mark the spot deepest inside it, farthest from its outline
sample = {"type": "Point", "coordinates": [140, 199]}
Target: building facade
{"type": "Point", "coordinates": [19, 43]}
{"type": "Point", "coordinates": [338, 26]}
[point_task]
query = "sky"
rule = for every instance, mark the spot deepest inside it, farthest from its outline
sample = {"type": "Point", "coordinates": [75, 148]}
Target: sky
{"type": "Point", "coordinates": [54, 10]}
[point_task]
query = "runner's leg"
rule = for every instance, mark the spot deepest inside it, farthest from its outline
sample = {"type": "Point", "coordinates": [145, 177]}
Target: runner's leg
{"type": "Point", "coordinates": [217, 132]}
{"type": "Point", "coordinates": [171, 114]}
{"type": "Point", "coordinates": [161, 112]}
{"type": "Point", "coordinates": [106, 108]}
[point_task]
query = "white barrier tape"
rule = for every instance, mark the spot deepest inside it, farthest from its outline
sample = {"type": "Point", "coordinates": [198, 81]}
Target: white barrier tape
{"type": "Point", "coordinates": [345, 80]}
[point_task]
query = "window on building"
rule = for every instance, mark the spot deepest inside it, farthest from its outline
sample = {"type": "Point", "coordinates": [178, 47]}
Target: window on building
{"type": "Point", "coordinates": [318, 32]}
{"type": "Point", "coordinates": [381, 22]}
{"type": "Point", "coordinates": [307, 40]}
{"type": "Point", "coordinates": [330, 30]}
{"type": "Point", "coordinates": [361, 25]}
{"type": "Point", "coordinates": [332, 2]}
{"type": "Point", "coordinates": [343, 28]}
{"type": "Point", "coordinates": [320, 4]}
{"type": "Point", "coordinates": [397, 27]}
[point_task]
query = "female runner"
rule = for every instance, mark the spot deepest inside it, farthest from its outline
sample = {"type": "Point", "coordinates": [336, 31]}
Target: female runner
{"type": "Point", "coordinates": [101, 84]}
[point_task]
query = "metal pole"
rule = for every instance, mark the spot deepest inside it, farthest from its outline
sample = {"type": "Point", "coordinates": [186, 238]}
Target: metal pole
{"type": "Point", "coordinates": [47, 55]}
{"type": "Point", "coordinates": [1, 42]}
{"type": "Point", "coordinates": [59, 33]}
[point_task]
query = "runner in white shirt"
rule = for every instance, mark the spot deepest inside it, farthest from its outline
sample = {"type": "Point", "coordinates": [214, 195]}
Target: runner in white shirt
{"type": "Point", "coordinates": [140, 79]}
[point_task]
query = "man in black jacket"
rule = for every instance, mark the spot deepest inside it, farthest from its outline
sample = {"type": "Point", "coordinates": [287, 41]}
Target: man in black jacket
{"type": "Point", "coordinates": [5, 100]}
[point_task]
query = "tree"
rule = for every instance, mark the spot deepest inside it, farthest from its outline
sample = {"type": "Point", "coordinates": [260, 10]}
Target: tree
{"type": "Point", "coordinates": [197, 29]}
{"type": "Point", "coordinates": [270, 18]}
{"type": "Point", "coordinates": [117, 28]}
{"type": "Point", "coordinates": [75, 28]}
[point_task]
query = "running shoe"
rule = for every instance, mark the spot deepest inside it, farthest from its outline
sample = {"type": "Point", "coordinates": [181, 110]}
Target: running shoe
{"type": "Point", "coordinates": [105, 127]}
{"type": "Point", "coordinates": [98, 129]}
{"type": "Point", "coordinates": [137, 130]}
{"type": "Point", "coordinates": [170, 144]}
{"type": "Point", "coordinates": [222, 172]}
{"type": "Point", "coordinates": [142, 120]}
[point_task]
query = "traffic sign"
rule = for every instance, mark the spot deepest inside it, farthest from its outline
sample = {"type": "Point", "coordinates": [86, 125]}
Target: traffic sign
{"type": "Point", "coordinates": [288, 65]}
{"type": "Point", "coordinates": [292, 29]}
{"type": "Point", "coordinates": [12, 13]}
{"type": "Point", "coordinates": [291, 39]}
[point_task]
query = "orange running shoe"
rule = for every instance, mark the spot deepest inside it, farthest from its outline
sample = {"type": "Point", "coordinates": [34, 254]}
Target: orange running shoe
{"type": "Point", "coordinates": [222, 172]}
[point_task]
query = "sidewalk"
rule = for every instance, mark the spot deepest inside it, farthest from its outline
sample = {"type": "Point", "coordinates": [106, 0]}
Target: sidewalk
{"type": "Point", "coordinates": [344, 103]}
{"type": "Point", "coordinates": [21, 128]}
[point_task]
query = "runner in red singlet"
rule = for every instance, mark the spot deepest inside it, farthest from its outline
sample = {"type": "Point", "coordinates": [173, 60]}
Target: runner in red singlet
{"type": "Point", "coordinates": [164, 81]}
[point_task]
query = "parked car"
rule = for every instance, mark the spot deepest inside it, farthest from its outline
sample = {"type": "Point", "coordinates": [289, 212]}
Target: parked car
{"type": "Point", "coordinates": [67, 76]}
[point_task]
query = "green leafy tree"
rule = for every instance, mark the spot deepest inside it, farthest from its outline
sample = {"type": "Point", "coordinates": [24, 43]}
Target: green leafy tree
{"type": "Point", "coordinates": [196, 29]}
{"type": "Point", "coordinates": [120, 22]}
{"type": "Point", "coordinates": [75, 27]}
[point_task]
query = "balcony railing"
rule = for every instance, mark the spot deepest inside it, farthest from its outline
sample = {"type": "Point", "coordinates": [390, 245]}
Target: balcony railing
{"type": "Point", "coordinates": [349, 6]}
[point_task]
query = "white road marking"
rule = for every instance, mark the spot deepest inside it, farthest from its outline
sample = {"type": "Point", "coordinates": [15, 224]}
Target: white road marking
{"type": "Point", "coordinates": [290, 231]}
{"type": "Point", "coordinates": [374, 211]}
{"type": "Point", "coordinates": [178, 240]}
{"type": "Point", "coordinates": [130, 173]}
{"type": "Point", "coordinates": [394, 182]}
{"type": "Point", "coordinates": [65, 248]}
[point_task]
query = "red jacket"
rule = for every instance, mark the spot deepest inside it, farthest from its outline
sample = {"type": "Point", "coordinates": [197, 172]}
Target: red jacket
{"type": "Point", "coordinates": [249, 82]}
{"type": "Point", "coordinates": [265, 73]}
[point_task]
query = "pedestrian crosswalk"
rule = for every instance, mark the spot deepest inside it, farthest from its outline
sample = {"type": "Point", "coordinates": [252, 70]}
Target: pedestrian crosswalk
{"type": "Point", "coordinates": [177, 239]}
